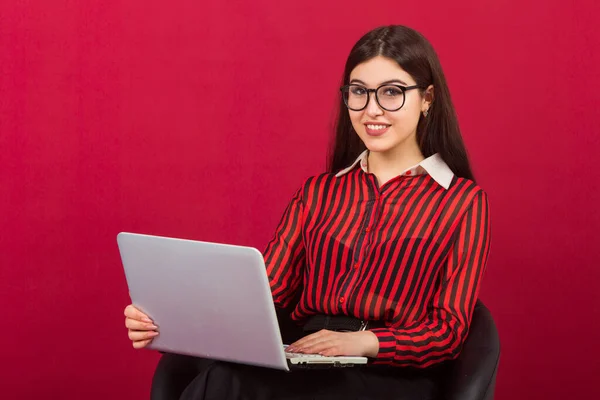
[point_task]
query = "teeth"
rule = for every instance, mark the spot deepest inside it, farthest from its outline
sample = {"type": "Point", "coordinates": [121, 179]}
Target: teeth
{"type": "Point", "coordinates": [376, 127]}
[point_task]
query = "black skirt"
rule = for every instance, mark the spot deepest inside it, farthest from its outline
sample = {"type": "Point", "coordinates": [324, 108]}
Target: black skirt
{"type": "Point", "coordinates": [190, 378]}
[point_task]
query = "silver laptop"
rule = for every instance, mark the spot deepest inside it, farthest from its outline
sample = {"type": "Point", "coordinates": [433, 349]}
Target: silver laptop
{"type": "Point", "coordinates": [209, 300]}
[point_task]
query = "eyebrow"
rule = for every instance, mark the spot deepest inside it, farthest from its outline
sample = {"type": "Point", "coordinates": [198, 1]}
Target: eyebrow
{"type": "Point", "coordinates": [382, 83]}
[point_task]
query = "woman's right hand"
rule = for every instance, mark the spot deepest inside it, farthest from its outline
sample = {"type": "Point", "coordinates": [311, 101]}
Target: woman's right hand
{"type": "Point", "coordinates": [141, 329]}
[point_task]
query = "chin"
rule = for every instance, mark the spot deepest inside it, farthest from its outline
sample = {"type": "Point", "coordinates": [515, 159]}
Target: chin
{"type": "Point", "coordinates": [377, 145]}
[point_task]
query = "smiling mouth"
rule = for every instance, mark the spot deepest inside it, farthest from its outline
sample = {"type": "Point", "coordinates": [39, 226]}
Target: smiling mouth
{"type": "Point", "coordinates": [376, 127]}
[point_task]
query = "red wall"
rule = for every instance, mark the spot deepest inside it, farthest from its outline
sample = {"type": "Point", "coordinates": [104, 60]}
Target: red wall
{"type": "Point", "coordinates": [200, 119]}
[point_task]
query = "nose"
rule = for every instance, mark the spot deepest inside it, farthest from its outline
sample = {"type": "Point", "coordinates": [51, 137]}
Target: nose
{"type": "Point", "coordinates": [373, 108]}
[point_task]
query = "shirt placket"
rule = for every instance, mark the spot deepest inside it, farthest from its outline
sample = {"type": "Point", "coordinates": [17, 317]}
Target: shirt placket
{"type": "Point", "coordinates": [363, 243]}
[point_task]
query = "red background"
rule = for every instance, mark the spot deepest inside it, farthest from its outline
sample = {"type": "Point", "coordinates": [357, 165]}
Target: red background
{"type": "Point", "coordinates": [200, 119]}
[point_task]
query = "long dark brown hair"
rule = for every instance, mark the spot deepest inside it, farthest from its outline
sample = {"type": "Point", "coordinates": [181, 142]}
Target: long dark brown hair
{"type": "Point", "coordinates": [438, 133]}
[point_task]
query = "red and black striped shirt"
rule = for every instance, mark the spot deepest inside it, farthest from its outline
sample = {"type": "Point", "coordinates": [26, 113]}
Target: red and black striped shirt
{"type": "Point", "coordinates": [410, 253]}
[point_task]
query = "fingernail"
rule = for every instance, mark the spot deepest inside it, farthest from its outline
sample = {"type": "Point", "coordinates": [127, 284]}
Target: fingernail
{"type": "Point", "coordinates": [152, 333]}
{"type": "Point", "coordinates": [152, 326]}
{"type": "Point", "coordinates": [146, 319]}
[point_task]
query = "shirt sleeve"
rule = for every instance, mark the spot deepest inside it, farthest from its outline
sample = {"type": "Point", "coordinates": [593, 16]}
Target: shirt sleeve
{"type": "Point", "coordinates": [285, 254]}
{"type": "Point", "coordinates": [441, 335]}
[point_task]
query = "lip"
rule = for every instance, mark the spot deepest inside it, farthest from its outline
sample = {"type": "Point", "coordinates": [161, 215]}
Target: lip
{"type": "Point", "coordinates": [376, 132]}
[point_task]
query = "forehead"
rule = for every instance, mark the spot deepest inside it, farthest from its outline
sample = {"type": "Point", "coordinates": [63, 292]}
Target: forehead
{"type": "Point", "coordinates": [380, 69]}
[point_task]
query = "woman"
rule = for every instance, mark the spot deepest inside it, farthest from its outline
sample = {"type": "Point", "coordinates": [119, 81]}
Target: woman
{"type": "Point", "coordinates": [396, 236]}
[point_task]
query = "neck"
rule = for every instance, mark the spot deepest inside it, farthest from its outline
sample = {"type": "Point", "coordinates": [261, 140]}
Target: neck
{"type": "Point", "coordinates": [389, 164]}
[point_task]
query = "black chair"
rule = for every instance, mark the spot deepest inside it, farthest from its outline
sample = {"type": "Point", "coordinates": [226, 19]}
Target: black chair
{"type": "Point", "coordinates": [472, 376]}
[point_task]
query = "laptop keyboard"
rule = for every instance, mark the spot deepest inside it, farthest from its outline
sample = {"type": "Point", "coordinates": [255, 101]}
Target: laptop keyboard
{"type": "Point", "coordinates": [294, 355]}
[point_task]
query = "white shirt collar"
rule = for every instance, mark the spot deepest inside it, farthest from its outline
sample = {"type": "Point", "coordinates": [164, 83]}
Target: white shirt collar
{"type": "Point", "coordinates": [433, 165]}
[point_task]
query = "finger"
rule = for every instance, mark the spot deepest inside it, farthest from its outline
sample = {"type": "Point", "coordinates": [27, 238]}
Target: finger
{"type": "Point", "coordinates": [332, 352]}
{"type": "Point", "coordinates": [141, 335]}
{"type": "Point", "coordinates": [139, 325]}
{"type": "Point", "coordinates": [318, 347]}
{"type": "Point", "coordinates": [132, 312]}
{"type": "Point", "coordinates": [308, 339]}
{"type": "Point", "coordinates": [141, 343]}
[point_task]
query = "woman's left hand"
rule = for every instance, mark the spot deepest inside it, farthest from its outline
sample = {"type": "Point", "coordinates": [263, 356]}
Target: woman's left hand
{"type": "Point", "coordinates": [329, 343]}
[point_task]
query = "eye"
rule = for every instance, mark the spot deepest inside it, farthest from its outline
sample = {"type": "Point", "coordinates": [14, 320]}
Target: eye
{"type": "Point", "coordinates": [358, 91]}
{"type": "Point", "coordinates": [391, 91]}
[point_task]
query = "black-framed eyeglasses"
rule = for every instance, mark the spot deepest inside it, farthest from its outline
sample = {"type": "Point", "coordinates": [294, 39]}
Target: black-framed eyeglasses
{"type": "Point", "coordinates": [389, 97]}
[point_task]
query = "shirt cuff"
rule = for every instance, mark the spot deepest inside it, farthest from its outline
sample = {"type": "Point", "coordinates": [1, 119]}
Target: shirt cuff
{"type": "Point", "coordinates": [387, 346]}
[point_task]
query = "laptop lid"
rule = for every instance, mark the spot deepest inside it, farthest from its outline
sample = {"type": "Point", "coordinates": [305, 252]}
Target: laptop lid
{"type": "Point", "coordinates": [208, 300]}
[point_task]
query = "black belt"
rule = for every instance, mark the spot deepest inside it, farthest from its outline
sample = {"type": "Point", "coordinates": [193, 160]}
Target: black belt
{"type": "Point", "coordinates": [339, 323]}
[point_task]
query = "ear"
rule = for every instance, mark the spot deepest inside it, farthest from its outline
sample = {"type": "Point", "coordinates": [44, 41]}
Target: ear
{"type": "Point", "coordinates": [428, 96]}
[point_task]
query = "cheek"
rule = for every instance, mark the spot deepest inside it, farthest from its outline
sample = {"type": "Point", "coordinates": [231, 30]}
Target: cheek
{"type": "Point", "coordinates": [356, 118]}
{"type": "Point", "coordinates": [408, 116]}
{"type": "Point", "coordinates": [412, 107]}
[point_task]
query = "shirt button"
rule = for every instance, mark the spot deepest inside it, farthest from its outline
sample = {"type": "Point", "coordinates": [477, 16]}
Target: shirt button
{"type": "Point", "coordinates": [356, 266]}
{"type": "Point", "coordinates": [408, 172]}
{"type": "Point", "coordinates": [342, 299]}
{"type": "Point", "coordinates": [368, 230]}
